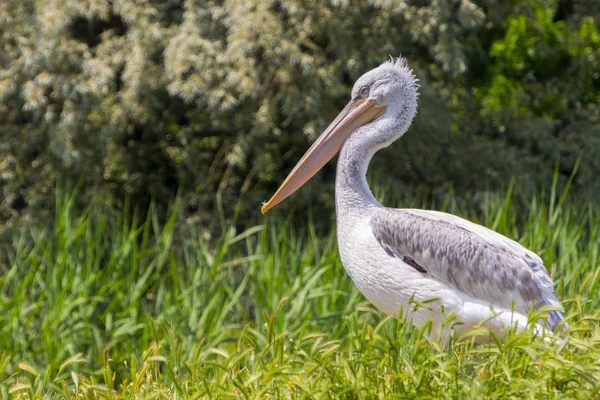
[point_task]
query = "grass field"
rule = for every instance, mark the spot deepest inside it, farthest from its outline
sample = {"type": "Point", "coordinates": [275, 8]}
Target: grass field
{"type": "Point", "coordinates": [94, 307]}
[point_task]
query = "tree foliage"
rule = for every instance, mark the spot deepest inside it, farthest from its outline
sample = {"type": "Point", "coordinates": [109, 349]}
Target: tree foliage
{"type": "Point", "coordinates": [139, 99]}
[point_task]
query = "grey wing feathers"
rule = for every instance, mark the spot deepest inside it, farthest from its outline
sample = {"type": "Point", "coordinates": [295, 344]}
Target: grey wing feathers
{"type": "Point", "coordinates": [409, 261]}
{"type": "Point", "coordinates": [467, 256]}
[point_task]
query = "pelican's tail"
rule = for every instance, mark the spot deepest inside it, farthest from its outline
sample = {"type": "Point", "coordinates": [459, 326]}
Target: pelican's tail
{"type": "Point", "coordinates": [554, 316]}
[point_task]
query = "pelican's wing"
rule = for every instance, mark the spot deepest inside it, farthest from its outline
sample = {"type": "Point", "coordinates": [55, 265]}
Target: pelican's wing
{"type": "Point", "coordinates": [467, 256]}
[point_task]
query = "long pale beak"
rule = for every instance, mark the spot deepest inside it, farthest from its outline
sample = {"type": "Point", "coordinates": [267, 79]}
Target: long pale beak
{"type": "Point", "coordinates": [355, 114]}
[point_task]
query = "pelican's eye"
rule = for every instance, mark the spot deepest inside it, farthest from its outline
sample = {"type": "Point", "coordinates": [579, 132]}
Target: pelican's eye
{"type": "Point", "coordinates": [364, 91]}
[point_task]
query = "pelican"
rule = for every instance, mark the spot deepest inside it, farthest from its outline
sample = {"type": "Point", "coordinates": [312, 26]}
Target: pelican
{"type": "Point", "coordinates": [430, 266]}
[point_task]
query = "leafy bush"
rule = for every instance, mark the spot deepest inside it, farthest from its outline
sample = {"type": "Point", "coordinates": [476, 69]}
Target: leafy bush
{"type": "Point", "coordinates": [137, 100]}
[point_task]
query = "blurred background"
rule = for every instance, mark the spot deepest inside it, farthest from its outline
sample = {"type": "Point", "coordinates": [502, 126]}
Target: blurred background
{"type": "Point", "coordinates": [135, 102]}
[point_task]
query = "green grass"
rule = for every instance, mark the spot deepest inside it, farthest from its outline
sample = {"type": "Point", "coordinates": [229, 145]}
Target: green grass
{"type": "Point", "coordinates": [96, 307]}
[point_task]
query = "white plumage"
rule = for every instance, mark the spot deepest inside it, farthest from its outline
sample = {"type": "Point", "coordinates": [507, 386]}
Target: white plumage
{"type": "Point", "coordinates": [429, 265]}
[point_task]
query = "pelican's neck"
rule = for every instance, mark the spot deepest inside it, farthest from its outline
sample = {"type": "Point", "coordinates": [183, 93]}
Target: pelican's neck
{"type": "Point", "coordinates": [352, 192]}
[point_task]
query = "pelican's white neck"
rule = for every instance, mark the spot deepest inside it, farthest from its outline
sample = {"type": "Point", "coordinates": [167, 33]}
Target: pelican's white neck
{"type": "Point", "coordinates": [352, 192]}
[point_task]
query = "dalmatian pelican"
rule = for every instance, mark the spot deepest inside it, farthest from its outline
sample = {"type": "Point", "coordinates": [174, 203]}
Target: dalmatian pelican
{"type": "Point", "coordinates": [427, 265]}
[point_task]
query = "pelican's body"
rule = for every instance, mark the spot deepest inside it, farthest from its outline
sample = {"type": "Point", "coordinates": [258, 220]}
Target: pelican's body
{"type": "Point", "coordinates": [425, 265]}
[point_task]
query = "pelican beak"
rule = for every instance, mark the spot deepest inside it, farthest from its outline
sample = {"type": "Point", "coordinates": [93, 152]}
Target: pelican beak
{"type": "Point", "coordinates": [355, 114]}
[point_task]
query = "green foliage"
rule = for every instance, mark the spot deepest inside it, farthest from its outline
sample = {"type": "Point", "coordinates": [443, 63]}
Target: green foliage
{"type": "Point", "coordinates": [98, 307]}
{"type": "Point", "coordinates": [137, 100]}
{"type": "Point", "coordinates": [535, 55]}
{"type": "Point", "coordinates": [530, 43]}
{"type": "Point", "coordinates": [543, 90]}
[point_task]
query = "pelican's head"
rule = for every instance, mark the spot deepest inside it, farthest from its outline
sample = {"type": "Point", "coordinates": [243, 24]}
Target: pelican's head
{"type": "Point", "coordinates": [386, 94]}
{"type": "Point", "coordinates": [391, 85]}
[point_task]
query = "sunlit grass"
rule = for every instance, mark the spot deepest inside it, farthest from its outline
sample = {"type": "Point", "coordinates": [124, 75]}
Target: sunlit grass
{"type": "Point", "coordinates": [94, 306]}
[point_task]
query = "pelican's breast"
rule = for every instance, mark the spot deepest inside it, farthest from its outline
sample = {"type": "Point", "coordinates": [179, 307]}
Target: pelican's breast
{"type": "Point", "coordinates": [387, 282]}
